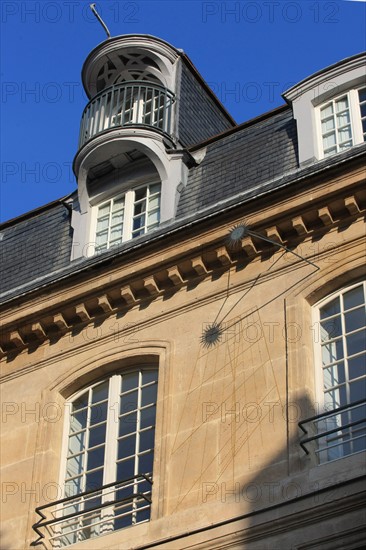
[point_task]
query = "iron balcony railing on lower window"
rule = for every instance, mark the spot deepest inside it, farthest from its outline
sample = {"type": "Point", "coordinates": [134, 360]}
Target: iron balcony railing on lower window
{"type": "Point", "coordinates": [94, 513]}
{"type": "Point", "coordinates": [126, 104]}
{"type": "Point", "coordinates": [336, 433]}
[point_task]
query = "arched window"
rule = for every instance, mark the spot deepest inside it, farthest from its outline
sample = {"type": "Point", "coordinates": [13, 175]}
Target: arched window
{"type": "Point", "coordinates": [341, 369]}
{"type": "Point", "coordinates": [108, 460]}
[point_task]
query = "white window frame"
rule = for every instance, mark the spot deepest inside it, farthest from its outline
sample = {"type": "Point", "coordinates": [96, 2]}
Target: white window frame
{"type": "Point", "coordinates": [128, 232]}
{"type": "Point", "coordinates": [107, 514]}
{"type": "Point", "coordinates": [323, 455]}
{"type": "Point", "coordinates": [357, 135]}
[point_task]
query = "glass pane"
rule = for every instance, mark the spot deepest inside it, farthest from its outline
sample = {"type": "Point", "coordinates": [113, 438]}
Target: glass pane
{"type": "Point", "coordinates": [78, 420]}
{"type": "Point", "coordinates": [327, 110]}
{"type": "Point", "coordinates": [116, 232]}
{"type": "Point", "coordinates": [344, 134]}
{"type": "Point", "coordinates": [333, 376]}
{"type": "Point", "coordinates": [329, 309]}
{"type": "Point", "coordinates": [327, 125]}
{"type": "Point", "coordinates": [74, 465]}
{"type": "Point", "coordinates": [148, 417]}
{"type": "Point", "coordinates": [329, 141]}
{"type": "Point", "coordinates": [140, 208]}
{"type": "Point", "coordinates": [147, 440]}
{"type": "Point", "coordinates": [353, 297]}
{"type": "Point", "coordinates": [363, 110]}
{"type": "Point", "coordinates": [129, 402]}
{"type": "Point", "coordinates": [356, 342]}
{"type": "Point", "coordinates": [330, 329]}
{"type": "Point", "coordinates": [126, 469]}
{"type": "Point", "coordinates": [155, 188]}
{"type": "Point", "coordinates": [95, 458]}
{"type": "Point", "coordinates": [332, 352]}
{"type": "Point", "coordinates": [355, 319]}
{"type": "Point", "coordinates": [343, 119]}
{"type": "Point", "coordinates": [335, 398]}
{"type": "Point", "coordinates": [98, 413]}
{"type": "Point", "coordinates": [100, 392]}
{"type": "Point", "coordinates": [97, 435]}
{"type": "Point", "coordinates": [146, 463]}
{"type": "Point", "coordinates": [342, 104]}
{"type": "Point", "coordinates": [127, 446]}
{"type": "Point", "coordinates": [362, 94]}
{"type": "Point", "coordinates": [153, 219]}
{"type": "Point", "coordinates": [357, 366]}
{"type": "Point", "coordinates": [149, 395]}
{"type": "Point", "coordinates": [104, 209]}
{"type": "Point", "coordinates": [73, 487]}
{"type": "Point", "coordinates": [149, 376]}
{"type": "Point", "coordinates": [118, 204]}
{"type": "Point", "coordinates": [94, 480]}
{"type": "Point", "coordinates": [76, 443]}
{"type": "Point", "coordinates": [117, 218]}
{"type": "Point", "coordinates": [81, 401]}
{"type": "Point", "coordinates": [101, 238]}
{"type": "Point", "coordinates": [357, 390]}
{"type": "Point", "coordinates": [130, 381]}
{"type": "Point", "coordinates": [127, 424]}
{"type": "Point", "coordinates": [140, 193]}
{"type": "Point", "coordinates": [102, 224]}
{"type": "Point", "coordinates": [139, 222]}
{"type": "Point", "coordinates": [154, 202]}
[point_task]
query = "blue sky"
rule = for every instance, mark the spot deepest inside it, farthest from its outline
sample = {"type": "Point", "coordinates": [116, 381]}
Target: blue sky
{"type": "Point", "coordinates": [248, 51]}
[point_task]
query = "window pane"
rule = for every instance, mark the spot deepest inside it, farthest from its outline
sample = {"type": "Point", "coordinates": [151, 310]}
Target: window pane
{"type": "Point", "coordinates": [355, 319]}
{"type": "Point", "coordinates": [335, 398]}
{"type": "Point", "coordinates": [126, 469]}
{"type": "Point", "coordinates": [149, 376]}
{"type": "Point", "coordinates": [353, 297]}
{"type": "Point", "coordinates": [147, 440]}
{"type": "Point", "coordinates": [118, 204]}
{"type": "Point", "coordinates": [356, 342]}
{"type": "Point", "coordinates": [95, 458]}
{"type": "Point", "coordinates": [81, 401]}
{"type": "Point", "coordinates": [357, 390]}
{"type": "Point", "coordinates": [327, 125]}
{"type": "Point", "coordinates": [327, 110]}
{"type": "Point", "coordinates": [343, 119]}
{"type": "Point", "coordinates": [149, 395]}
{"type": "Point", "coordinates": [332, 352]}
{"type": "Point", "coordinates": [78, 420]}
{"type": "Point", "coordinates": [130, 381]}
{"type": "Point", "coordinates": [333, 376]}
{"type": "Point", "coordinates": [98, 413]}
{"type": "Point", "coordinates": [127, 446]}
{"type": "Point", "coordinates": [155, 188]}
{"type": "Point", "coordinates": [342, 104]}
{"type": "Point", "coordinates": [148, 417]}
{"type": "Point", "coordinates": [330, 329]}
{"type": "Point", "coordinates": [140, 193]}
{"type": "Point", "coordinates": [104, 209]}
{"type": "Point", "coordinates": [97, 435]}
{"type": "Point", "coordinates": [146, 463]}
{"type": "Point", "coordinates": [362, 94]}
{"type": "Point", "coordinates": [129, 402]}
{"type": "Point", "coordinates": [94, 480]}
{"type": "Point", "coordinates": [329, 309]}
{"type": "Point", "coordinates": [73, 487]}
{"type": "Point", "coordinates": [74, 465]}
{"type": "Point", "coordinates": [357, 366]}
{"type": "Point", "coordinates": [100, 392]}
{"type": "Point", "coordinates": [102, 224]}
{"type": "Point", "coordinates": [127, 424]}
{"type": "Point", "coordinates": [76, 443]}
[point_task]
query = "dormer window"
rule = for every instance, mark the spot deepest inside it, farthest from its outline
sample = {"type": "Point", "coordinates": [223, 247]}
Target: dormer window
{"type": "Point", "coordinates": [343, 122]}
{"type": "Point", "coordinates": [127, 216]}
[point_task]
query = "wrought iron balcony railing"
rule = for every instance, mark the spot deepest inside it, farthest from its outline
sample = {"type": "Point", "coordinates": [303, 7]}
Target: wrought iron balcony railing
{"type": "Point", "coordinates": [336, 433]}
{"type": "Point", "coordinates": [94, 513]}
{"type": "Point", "coordinates": [129, 103]}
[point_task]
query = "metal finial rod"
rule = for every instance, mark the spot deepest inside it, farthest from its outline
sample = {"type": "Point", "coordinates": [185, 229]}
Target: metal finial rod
{"type": "Point", "coordinates": [92, 7]}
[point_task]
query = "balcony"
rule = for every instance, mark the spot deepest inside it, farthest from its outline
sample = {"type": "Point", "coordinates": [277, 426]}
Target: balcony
{"type": "Point", "coordinates": [337, 433]}
{"type": "Point", "coordinates": [94, 513]}
{"type": "Point", "coordinates": [130, 103]}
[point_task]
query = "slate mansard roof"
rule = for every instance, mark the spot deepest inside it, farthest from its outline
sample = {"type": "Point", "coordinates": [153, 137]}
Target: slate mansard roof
{"type": "Point", "coordinates": [243, 162]}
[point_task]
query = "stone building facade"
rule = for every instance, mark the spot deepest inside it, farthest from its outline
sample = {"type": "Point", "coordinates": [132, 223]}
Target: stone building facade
{"type": "Point", "coordinates": [183, 338]}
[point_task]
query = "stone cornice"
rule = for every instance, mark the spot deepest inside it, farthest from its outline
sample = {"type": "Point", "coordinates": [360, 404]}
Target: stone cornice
{"type": "Point", "coordinates": [122, 286]}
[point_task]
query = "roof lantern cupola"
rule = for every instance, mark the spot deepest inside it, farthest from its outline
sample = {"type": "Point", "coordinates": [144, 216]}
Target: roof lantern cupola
{"type": "Point", "coordinates": [147, 104]}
